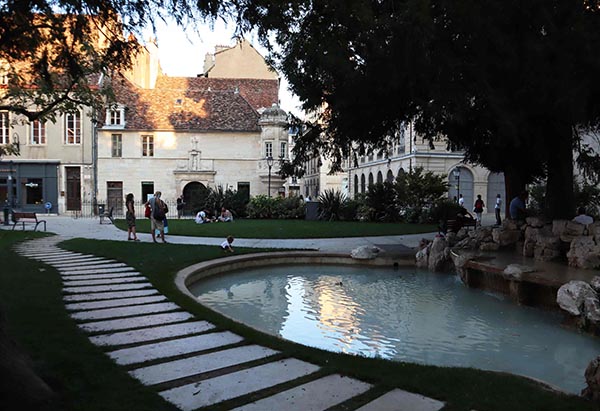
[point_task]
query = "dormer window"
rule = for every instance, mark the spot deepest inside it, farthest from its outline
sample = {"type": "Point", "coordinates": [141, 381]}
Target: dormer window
{"type": "Point", "coordinates": [115, 117]}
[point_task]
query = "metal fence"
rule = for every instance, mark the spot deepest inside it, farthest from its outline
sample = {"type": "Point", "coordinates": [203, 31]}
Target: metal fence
{"type": "Point", "coordinates": [91, 209]}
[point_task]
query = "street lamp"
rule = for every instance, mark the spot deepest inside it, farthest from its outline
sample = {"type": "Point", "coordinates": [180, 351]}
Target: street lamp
{"type": "Point", "coordinates": [456, 173]}
{"type": "Point", "coordinates": [270, 165]}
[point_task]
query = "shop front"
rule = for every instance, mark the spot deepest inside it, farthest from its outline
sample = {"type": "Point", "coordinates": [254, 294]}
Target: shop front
{"type": "Point", "coordinates": [29, 185]}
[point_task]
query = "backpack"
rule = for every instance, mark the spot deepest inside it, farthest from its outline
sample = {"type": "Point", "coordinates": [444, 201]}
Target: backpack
{"type": "Point", "coordinates": [478, 206]}
{"type": "Point", "coordinates": [160, 210]}
{"type": "Point", "coordinates": [147, 211]}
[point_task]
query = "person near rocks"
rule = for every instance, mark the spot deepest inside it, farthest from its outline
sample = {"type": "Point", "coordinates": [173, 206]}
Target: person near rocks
{"type": "Point", "coordinates": [478, 209]}
{"type": "Point", "coordinates": [517, 208]}
{"type": "Point", "coordinates": [226, 245]}
{"type": "Point", "coordinates": [462, 218]}
{"type": "Point", "coordinates": [130, 218]}
{"type": "Point", "coordinates": [157, 216]}
{"type": "Point", "coordinates": [225, 216]}
{"type": "Point", "coordinates": [461, 200]}
{"type": "Point", "coordinates": [497, 209]}
{"type": "Point", "coordinates": [180, 205]}
{"type": "Point", "coordinates": [582, 217]}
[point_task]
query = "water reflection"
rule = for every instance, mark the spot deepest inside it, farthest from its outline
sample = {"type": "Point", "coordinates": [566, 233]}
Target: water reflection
{"type": "Point", "coordinates": [411, 316]}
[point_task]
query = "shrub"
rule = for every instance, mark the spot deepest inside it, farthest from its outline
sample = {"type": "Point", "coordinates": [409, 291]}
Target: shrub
{"type": "Point", "coordinates": [381, 199]}
{"type": "Point", "coordinates": [331, 204]}
{"type": "Point", "coordinates": [289, 208]}
{"type": "Point", "coordinates": [261, 206]}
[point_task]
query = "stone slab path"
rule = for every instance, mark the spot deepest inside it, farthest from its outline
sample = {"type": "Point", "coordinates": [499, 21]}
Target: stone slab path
{"type": "Point", "coordinates": [189, 362]}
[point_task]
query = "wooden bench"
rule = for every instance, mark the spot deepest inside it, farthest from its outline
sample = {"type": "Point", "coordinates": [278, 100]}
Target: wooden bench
{"type": "Point", "coordinates": [23, 218]}
{"type": "Point", "coordinates": [108, 215]}
{"type": "Point", "coordinates": [455, 225]}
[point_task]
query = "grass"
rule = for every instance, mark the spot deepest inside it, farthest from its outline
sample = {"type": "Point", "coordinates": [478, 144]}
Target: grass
{"type": "Point", "coordinates": [461, 388]}
{"type": "Point", "coordinates": [278, 229]}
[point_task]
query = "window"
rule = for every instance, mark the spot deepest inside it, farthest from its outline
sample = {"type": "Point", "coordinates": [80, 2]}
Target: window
{"type": "Point", "coordinates": [73, 128]}
{"type": "Point", "coordinates": [147, 190]}
{"type": "Point", "coordinates": [115, 117]}
{"type": "Point", "coordinates": [38, 132]}
{"type": "Point", "coordinates": [147, 146]}
{"type": "Point", "coordinates": [268, 149]}
{"type": "Point", "coordinates": [283, 150]}
{"type": "Point", "coordinates": [117, 145]}
{"type": "Point", "coordinates": [33, 189]}
{"type": "Point", "coordinates": [4, 128]}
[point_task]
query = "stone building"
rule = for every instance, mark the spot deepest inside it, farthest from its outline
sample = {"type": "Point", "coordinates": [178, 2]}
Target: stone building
{"type": "Point", "coordinates": [179, 135]}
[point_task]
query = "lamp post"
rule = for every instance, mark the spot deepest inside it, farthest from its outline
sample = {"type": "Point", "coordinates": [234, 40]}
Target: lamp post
{"type": "Point", "coordinates": [456, 173]}
{"type": "Point", "coordinates": [270, 165]}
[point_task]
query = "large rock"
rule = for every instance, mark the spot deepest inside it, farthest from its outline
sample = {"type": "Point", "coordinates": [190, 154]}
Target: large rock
{"type": "Point", "coordinates": [535, 222]}
{"type": "Point", "coordinates": [531, 233]}
{"type": "Point", "coordinates": [528, 248]}
{"type": "Point", "coordinates": [558, 226]}
{"type": "Point", "coordinates": [584, 253]}
{"type": "Point", "coordinates": [439, 255]}
{"type": "Point", "coordinates": [547, 248]}
{"type": "Point", "coordinates": [594, 230]}
{"type": "Point", "coordinates": [422, 257]}
{"type": "Point", "coordinates": [592, 378]}
{"type": "Point", "coordinates": [595, 283]}
{"type": "Point", "coordinates": [571, 296]}
{"type": "Point", "coordinates": [572, 230]}
{"type": "Point", "coordinates": [505, 237]}
{"type": "Point", "coordinates": [489, 246]}
{"type": "Point", "coordinates": [516, 271]}
{"type": "Point", "coordinates": [591, 309]}
{"type": "Point", "coordinates": [366, 252]}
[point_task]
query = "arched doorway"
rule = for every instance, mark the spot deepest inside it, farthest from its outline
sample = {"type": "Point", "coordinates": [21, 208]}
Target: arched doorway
{"type": "Point", "coordinates": [379, 177]}
{"type": "Point", "coordinates": [390, 176]}
{"type": "Point", "coordinates": [194, 196]}
{"type": "Point", "coordinates": [495, 186]}
{"type": "Point", "coordinates": [370, 180]}
{"type": "Point", "coordinates": [460, 180]}
{"type": "Point", "coordinates": [362, 183]}
{"type": "Point", "coordinates": [356, 185]}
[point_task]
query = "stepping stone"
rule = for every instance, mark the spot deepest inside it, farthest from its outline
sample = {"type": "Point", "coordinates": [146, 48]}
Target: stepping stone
{"type": "Point", "coordinates": [108, 295]}
{"type": "Point", "coordinates": [77, 282]}
{"type": "Point", "coordinates": [98, 266]}
{"type": "Point", "coordinates": [114, 303]}
{"type": "Point", "coordinates": [100, 260]}
{"type": "Point", "coordinates": [67, 257]}
{"type": "Point", "coordinates": [225, 387]}
{"type": "Point", "coordinates": [186, 367]}
{"type": "Point", "coordinates": [100, 276]}
{"type": "Point", "coordinates": [125, 311]}
{"type": "Point", "coordinates": [173, 348]}
{"type": "Point", "coordinates": [100, 288]}
{"type": "Point", "coordinates": [97, 271]}
{"type": "Point", "coordinates": [317, 395]}
{"type": "Point", "coordinates": [151, 334]}
{"type": "Point", "coordinates": [48, 254]}
{"type": "Point", "coordinates": [400, 400]}
{"type": "Point", "coordinates": [136, 322]}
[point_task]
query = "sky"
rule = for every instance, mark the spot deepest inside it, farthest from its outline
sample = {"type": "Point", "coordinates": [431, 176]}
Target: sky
{"type": "Point", "coordinates": [181, 53]}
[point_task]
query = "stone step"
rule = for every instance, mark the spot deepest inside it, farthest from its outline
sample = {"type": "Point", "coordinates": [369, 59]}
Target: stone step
{"type": "Point", "coordinates": [68, 282]}
{"type": "Point", "coordinates": [100, 288]}
{"type": "Point", "coordinates": [172, 348]}
{"type": "Point", "coordinates": [100, 260]}
{"type": "Point", "coordinates": [100, 276]}
{"type": "Point", "coordinates": [226, 387]}
{"type": "Point", "coordinates": [317, 395]}
{"type": "Point", "coordinates": [186, 367]}
{"type": "Point", "coordinates": [108, 295]}
{"type": "Point", "coordinates": [152, 334]}
{"type": "Point", "coordinates": [97, 271]}
{"type": "Point", "coordinates": [87, 260]}
{"type": "Point", "coordinates": [136, 322]}
{"type": "Point", "coordinates": [95, 305]}
{"type": "Point", "coordinates": [400, 400]}
{"type": "Point", "coordinates": [73, 257]}
{"type": "Point", "coordinates": [98, 266]}
{"type": "Point", "coordinates": [125, 311]}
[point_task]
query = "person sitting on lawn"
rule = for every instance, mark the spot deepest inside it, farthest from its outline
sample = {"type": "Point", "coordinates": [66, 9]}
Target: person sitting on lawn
{"type": "Point", "coordinates": [226, 245]}
{"type": "Point", "coordinates": [225, 216]}
{"type": "Point", "coordinates": [200, 217]}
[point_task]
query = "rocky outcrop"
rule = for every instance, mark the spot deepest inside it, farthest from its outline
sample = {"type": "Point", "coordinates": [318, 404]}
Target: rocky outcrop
{"type": "Point", "coordinates": [584, 253]}
{"type": "Point", "coordinates": [571, 231]}
{"type": "Point", "coordinates": [439, 255]}
{"type": "Point", "coordinates": [366, 252]}
{"type": "Point", "coordinates": [592, 378]}
{"type": "Point", "coordinates": [505, 236]}
{"type": "Point", "coordinates": [516, 271]}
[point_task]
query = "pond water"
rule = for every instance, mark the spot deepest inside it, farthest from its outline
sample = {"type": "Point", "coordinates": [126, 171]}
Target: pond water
{"type": "Point", "coordinates": [406, 315]}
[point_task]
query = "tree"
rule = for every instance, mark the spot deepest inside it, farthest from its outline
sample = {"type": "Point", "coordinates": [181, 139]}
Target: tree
{"type": "Point", "coordinates": [509, 82]}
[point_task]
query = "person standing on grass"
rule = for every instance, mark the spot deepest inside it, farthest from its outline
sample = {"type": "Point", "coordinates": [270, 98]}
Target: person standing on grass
{"type": "Point", "coordinates": [497, 209]}
{"type": "Point", "coordinates": [157, 216]}
{"type": "Point", "coordinates": [180, 205]}
{"type": "Point", "coordinates": [226, 245]}
{"type": "Point", "coordinates": [130, 218]}
{"type": "Point", "coordinates": [478, 209]}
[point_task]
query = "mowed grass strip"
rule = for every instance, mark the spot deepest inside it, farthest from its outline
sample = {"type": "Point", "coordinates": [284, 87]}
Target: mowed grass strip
{"type": "Point", "coordinates": [280, 229]}
{"type": "Point", "coordinates": [461, 388]}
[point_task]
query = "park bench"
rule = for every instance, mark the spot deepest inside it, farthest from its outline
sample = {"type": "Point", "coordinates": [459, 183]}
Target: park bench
{"type": "Point", "coordinates": [20, 217]}
{"type": "Point", "coordinates": [107, 214]}
{"type": "Point", "coordinates": [455, 225]}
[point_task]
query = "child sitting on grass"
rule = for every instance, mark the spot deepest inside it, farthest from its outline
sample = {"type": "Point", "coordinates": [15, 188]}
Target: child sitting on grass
{"type": "Point", "coordinates": [226, 245]}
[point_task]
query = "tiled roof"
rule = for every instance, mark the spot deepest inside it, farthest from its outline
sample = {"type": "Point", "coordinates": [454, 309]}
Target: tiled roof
{"type": "Point", "coordinates": [193, 103]}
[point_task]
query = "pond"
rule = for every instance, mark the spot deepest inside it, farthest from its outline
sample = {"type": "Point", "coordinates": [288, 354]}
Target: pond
{"type": "Point", "coordinates": [404, 315]}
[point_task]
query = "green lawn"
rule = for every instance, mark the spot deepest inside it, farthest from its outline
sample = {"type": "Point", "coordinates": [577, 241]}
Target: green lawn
{"type": "Point", "coordinates": [86, 380]}
{"type": "Point", "coordinates": [246, 228]}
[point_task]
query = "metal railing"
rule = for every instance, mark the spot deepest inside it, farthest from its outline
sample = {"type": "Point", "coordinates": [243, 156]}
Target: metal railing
{"type": "Point", "coordinates": [91, 209]}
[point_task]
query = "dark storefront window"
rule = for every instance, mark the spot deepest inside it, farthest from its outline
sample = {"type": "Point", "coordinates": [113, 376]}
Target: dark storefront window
{"type": "Point", "coordinates": [33, 190]}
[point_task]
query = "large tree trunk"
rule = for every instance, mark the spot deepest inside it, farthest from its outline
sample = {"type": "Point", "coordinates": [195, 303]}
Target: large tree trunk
{"type": "Point", "coordinates": [560, 198]}
{"type": "Point", "coordinates": [514, 184]}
